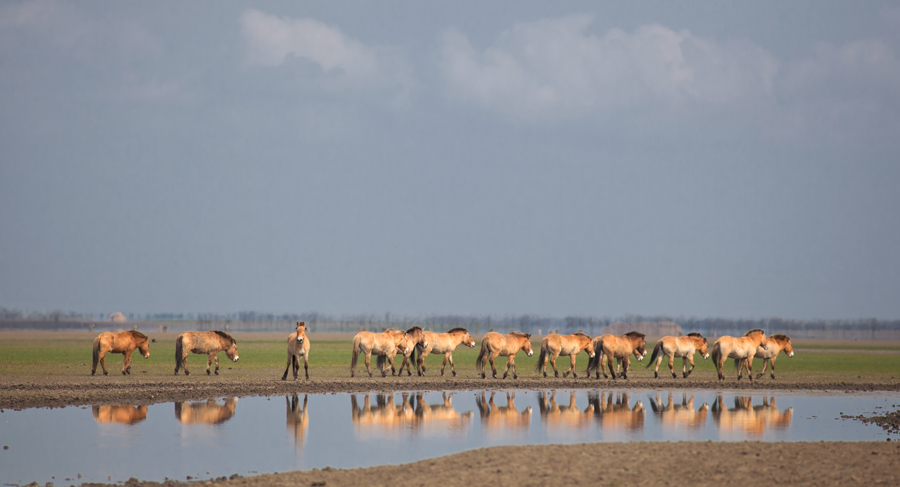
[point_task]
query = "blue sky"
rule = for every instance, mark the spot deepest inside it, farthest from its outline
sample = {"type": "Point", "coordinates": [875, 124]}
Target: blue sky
{"type": "Point", "coordinates": [735, 159]}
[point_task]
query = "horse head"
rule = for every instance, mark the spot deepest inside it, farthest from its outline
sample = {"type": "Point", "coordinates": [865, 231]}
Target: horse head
{"type": "Point", "coordinates": [232, 352]}
{"type": "Point", "coordinates": [526, 346]}
{"type": "Point", "coordinates": [301, 331]}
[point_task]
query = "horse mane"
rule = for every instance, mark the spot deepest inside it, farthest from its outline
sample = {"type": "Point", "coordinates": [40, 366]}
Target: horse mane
{"type": "Point", "coordinates": [137, 334]}
{"type": "Point", "coordinates": [755, 330]}
{"type": "Point", "coordinates": [520, 334]}
{"type": "Point", "coordinates": [695, 334]}
{"type": "Point", "coordinates": [392, 330]}
{"type": "Point", "coordinates": [783, 338]}
{"type": "Point", "coordinates": [635, 334]}
{"type": "Point", "coordinates": [458, 330]}
{"type": "Point", "coordinates": [224, 335]}
{"type": "Point", "coordinates": [414, 329]}
{"type": "Point", "coordinates": [581, 334]}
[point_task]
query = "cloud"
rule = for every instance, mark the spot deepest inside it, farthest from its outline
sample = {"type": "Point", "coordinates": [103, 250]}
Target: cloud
{"type": "Point", "coordinates": [272, 41]}
{"type": "Point", "coordinates": [556, 68]}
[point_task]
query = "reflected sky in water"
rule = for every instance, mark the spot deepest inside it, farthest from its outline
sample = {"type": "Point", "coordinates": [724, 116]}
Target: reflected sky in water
{"type": "Point", "coordinates": [204, 439]}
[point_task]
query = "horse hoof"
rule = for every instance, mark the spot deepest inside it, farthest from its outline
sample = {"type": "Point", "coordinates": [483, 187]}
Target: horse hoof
{"type": "Point", "coordinates": [93, 372]}
{"type": "Point", "coordinates": [124, 373]}
{"type": "Point", "coordinates": [106, 373]}
{"type": "Point", "coordinates": [454, 374]}
{"type": "Point", "coordinates": [284, 378]}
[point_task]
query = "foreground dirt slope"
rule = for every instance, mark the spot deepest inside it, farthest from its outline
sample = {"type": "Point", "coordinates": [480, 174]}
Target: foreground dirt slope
{"type": "Point", "coordinates": [601, 464]}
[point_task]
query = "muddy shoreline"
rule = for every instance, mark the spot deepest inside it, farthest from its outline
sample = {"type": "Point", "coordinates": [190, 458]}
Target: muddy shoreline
{"type": "Point", "coordinates": [61, 391]}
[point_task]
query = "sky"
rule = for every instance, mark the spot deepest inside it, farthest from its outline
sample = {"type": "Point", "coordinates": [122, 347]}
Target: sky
{"type": "Point", "coordinates": [732, 159]}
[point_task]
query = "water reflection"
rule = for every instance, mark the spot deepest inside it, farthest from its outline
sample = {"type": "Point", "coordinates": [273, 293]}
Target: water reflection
{"type": "Point", "coordinates": [441, 418]}
{"type": "Point", "coordinates": [412, 415]}
{"type": "Point", "coordinates": [297, 419]}
{"type": "Point", "coordinates": [613, 412]}
{"type": "Point", "coordinates": [506, 419]}
{"type": "Point", "coordinates": [208, 412]}
{"type": "Point", "coordinates": [747, 418]}
{"type": "Point", "coordinates": [120, 414]}
{"type": "Point", "coordinates": [555, 417]}
{"type": "Point", "coordinates": [673, 416]}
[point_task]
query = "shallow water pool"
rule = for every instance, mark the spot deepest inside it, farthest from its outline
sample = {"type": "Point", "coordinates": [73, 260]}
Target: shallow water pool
{"type": "Point", "coordinates": [270, 434]}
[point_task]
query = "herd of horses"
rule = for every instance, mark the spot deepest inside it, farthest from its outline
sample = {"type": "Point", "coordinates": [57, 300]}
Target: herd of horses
{"type": "Point", "coordinates": [414, 344]}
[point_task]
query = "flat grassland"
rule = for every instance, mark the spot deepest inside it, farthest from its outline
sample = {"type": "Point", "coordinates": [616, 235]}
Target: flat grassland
{"type": "Point", "coordinates": [52, 369]}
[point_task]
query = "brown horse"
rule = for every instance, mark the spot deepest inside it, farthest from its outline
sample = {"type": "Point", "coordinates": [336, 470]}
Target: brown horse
{"type": "Point", "coordinates": [494, 345]}
{"type": "Point", "coordinates": [777, 343]}
{"type": "Point", "coordinates": [209, 412]}
{"type": "Point", "coordinates": [613, 412]}
{"type": "Point", "coordinates": [123, 342]}
{"type": "Point", "coordinates": [435, 419]}
{"type": "Point", "coordinates": [297, 346]}
{"type": "Point", "coordinates": [553, 346]}
{"type": "Point", "coordinates": [739, 349]}
{"type": "Point", "coordinates": [684, 347]}
{"type": "Point", "coordinates": [384, 345]}
{"type": "Point", "coordinates": [417, 338]}
{"type": "Point", "coordinates": [444, 343]}
{"type": "Point", "coordinates": [120, 414]}
{"type": "Point", "coordinates": [617, 347]}
{"type": "Point", "coordinates": [557, 417]}
{"type": "Point", "coordinates": [208, 342]}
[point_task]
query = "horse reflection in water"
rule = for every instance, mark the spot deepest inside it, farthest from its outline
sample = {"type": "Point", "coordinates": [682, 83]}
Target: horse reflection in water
{"type": "Point", "coordinates": [674, 416]}
{"type": "Point", "coordinates": [613, 412]}
{"type": "Point", "coordinates": [568, 417]}
{"type": "Point", "coordinates": [297, 419]}
{"type": "Point", "coordinates": [412, 415]}
{"type": "Point", "coordinates": [750, 419]}
{"type": "Point", "coordinates": [209, 412]}
{"type": "Point", "coordinates": [120, 414]}
{"type": "Point", "coordinates": [507, 418]}
{"type": "Point", "coordinates": [384, 417]}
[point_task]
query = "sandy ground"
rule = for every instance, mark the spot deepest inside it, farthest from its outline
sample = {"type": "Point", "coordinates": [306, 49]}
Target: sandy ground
{"type": "Point", "coordinates": [825, 463]}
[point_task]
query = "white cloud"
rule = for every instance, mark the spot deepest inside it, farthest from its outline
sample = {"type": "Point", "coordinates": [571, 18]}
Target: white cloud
{"type": "Point", "coordinates": [272, 41]}
{"type": "Point", "coordinates": [556, 68]}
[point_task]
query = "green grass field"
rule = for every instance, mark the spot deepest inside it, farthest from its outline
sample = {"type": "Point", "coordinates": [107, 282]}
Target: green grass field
{"type": "Point", "coordinates": [45, 353]}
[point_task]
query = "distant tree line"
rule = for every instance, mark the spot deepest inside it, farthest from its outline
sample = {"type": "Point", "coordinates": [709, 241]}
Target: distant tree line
{"type": "Point", "coordinates": [863, 328]}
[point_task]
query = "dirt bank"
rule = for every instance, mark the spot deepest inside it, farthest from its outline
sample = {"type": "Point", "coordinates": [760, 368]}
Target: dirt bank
{"type": "Point", "coordinates": [683, 463]}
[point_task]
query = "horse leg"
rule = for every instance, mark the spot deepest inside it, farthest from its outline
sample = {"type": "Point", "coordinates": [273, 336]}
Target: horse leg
{"type": "Point", "coordinates": [290, 356]}
{"type": "Point", "coordinates": [691, 360]}
{"type": "Point", "coordinates": [103, 362]}
{"type": "Point", "coordinates": [773, 368]}
{"type": "Point", "coordinates": [625, 363]}
{"type": "Point", "coordinates": [493, 368]}
{"type": "Point", "coordinates": [443, 365]}
{"type": "Point", "coordinates": [209, 359]}
{"type": "Point", "coordinates": [672, 366]}
{"type": "Point", "coordinates": [511, 362]}
{"type": "Point", "coordinates": [765, 364]}
{"type": "Point", "coordinates": [610, 360]}
{"type": "Point", "coordinates": [420, 363]}
{"type": "Point", "coordinates": [571, 368]}
{"type": "Point", "coordinates": [368, 359]}
{"type": "Point", "coordinates": [452, 367]}
{"type": "Point", "coordinates": [305, 368]}
{"type": "Point", "coordinates": [126, 364]}
{"type": "Point", "coordinates": [390, 359]}
{"type": "Point", "coordinates": [750, 368]}
{"type": "Point", "coordinates": [552, 364]}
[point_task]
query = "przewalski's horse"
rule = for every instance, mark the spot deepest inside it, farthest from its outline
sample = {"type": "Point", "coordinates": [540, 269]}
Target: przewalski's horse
{"type": "Point", "coordinates": [616, 347]}
{"type": "Point", "coordinates": [444, 343]}
{"type": "Point", "coordinates": [614, 413]}
{"type": "Point", "coordinates": [553, 346]}
{"type": "Point", "coordinates": [417, 338]}
{"type": "Point", "coordinates": [777, 343]}
{"type": "Point", "coordinates": [674, 347]}
{"type": "Point", "coordinates": [384, 345]}
{"type": "Point", "coordinates": [297, 346]}
{"type": "Point", "coordinates": [120, 414]}
{"type": "Point", "coordinates": [123, 342]}
{"type": "Point", "coordinates": [495, 345]}
{"type": "Point", "coordinates": [739, 349]}
{"type": "Point", "coordinates": [297, 417]}
{"type": "Point", "coordinates": [558, 418]}
{"type": "Point", "coordinates": [208, 342]}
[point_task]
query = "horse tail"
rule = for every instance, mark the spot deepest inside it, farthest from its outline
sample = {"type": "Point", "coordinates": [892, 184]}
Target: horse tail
{"type": "Point", "coordinates": [179, 349]}
{"type": "Point", "coordinates": [481, 355]}
{"type": "Point", "coordinates": [543, 356]}
{"type": "Point", "coordinates": [96, 352]}
{"type": "Point", "coordinates": [716, 353]}
{"type": "Point", "coordinates": [656, 351]}
{"type": "Point", "coordinates": [594, 362]}
{"type": "Point", "coordinates": [356, 342]}
{"type": "Point", "coordinates": [737, 363]}
{"type": "Point", "coordinates": [381, 361]}
{"type": "Point", "coordinates": [412, 356]}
